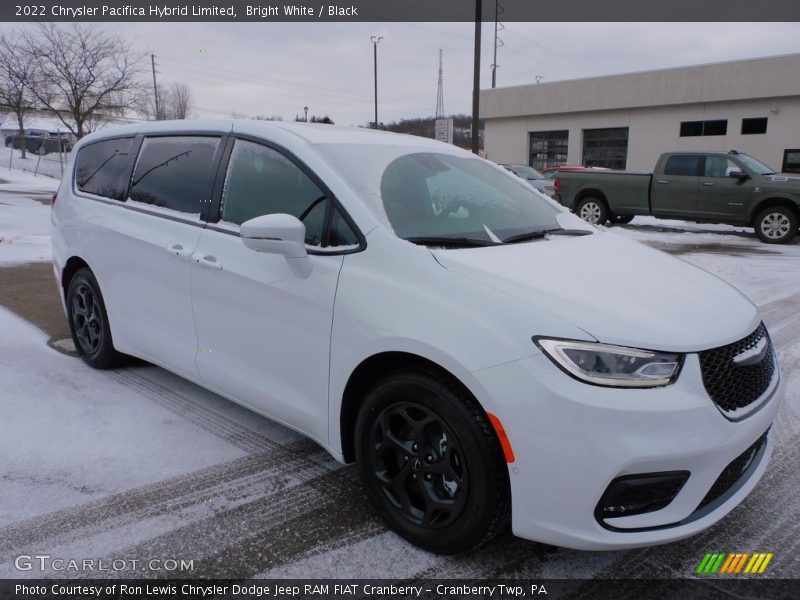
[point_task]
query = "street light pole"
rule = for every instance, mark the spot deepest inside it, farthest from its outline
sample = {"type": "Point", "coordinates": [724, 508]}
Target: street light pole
{"type": "Point", "coordinates": [376, 39]}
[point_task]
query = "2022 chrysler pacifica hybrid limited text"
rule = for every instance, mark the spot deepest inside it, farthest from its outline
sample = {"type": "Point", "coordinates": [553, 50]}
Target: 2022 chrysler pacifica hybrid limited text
{"type": "Point", "coordinates": [481, 354]}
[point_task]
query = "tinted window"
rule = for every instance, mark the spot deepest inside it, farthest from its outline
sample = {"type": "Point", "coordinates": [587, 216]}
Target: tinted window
{"type": "Point", "coordinates": [104, 168]}
{"type": "Point", "coordinates": [175, 172]}
{"type": "Point", "coordinates": [683, 164]}
{"type": "Point", "coordinates": [261, 181]}
{"type": "Point", "coordinates": [691, 128]}
{"type": "Point", "coordinates": [752, 126]}
{"type": "Point", "coordinates": [697, 128]}
{"type": "Point", "coordinates": [715, 127]}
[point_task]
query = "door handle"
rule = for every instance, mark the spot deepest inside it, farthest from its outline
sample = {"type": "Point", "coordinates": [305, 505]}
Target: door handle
{"type": "Point", "coordinates": [208, 261]}
{"type": "Point", "coordinates": [663, 181]}
{"type": "Point", "coordinates": [178, 250]}
{"type": "Point", "coordinates": [709, 183]}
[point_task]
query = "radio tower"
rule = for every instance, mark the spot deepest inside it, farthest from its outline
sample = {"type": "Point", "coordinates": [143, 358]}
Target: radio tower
{"type": "Point", "coordinates": [440, 92]}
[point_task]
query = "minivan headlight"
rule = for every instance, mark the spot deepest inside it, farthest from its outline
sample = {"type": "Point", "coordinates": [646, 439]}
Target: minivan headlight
{"type": "Point", "coordinates": [612, 366]}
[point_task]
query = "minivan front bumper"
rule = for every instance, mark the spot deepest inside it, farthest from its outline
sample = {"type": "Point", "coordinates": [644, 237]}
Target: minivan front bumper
{"type": "Point", "coordinates": [571, 440]}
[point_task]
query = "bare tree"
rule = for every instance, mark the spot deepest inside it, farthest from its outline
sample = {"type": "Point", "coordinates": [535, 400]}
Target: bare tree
{"type": "Point", "coordinates": [82, 73]}
{"type": "Point", "coordinates": [16, 72]}
{"type": "Point", "coordinates": [181, 101]}
{"type": "Point", "coordinates": [174, 102]}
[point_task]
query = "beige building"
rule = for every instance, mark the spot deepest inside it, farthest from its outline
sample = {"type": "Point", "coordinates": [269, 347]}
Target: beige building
{"type": "Point", "coordinates": [627, 121]}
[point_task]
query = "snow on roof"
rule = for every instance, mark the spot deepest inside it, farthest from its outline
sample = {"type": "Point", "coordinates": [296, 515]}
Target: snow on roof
{"type": "Point", "coordinates": [279, 131]}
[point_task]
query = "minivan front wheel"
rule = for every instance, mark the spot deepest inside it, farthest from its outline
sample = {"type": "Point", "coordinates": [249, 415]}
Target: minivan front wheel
{"type": "Point", "coordinates": [430, 462]}
{"type": "Point", "coordinates": [88, 321]}
{"type": "Point", "coordinates": [776, 225]}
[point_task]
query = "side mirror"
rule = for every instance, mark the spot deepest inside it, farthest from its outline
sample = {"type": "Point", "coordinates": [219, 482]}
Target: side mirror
{"type": "Point", "coordinates": [279, 234]}
{"type": "Point", "coordinates": [740, 175]}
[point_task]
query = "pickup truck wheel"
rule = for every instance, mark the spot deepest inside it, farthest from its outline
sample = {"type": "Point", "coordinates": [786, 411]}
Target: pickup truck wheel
{"type": "Point", "coordinates": [776, 225]}
{"type": "Point", "coordinates": [592, 210]}
{"type": "Point", "coordinates": [622, 219]}
{"type": "Point", "coordinates": [430, 463]}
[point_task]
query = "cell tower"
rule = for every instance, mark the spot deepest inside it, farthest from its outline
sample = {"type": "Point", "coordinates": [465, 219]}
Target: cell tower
{"type": "Point", "coordinates": [440, 92]}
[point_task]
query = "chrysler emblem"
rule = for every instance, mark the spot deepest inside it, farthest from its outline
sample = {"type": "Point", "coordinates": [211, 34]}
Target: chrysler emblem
{"type": "Point", "coordinates": [752, 356]}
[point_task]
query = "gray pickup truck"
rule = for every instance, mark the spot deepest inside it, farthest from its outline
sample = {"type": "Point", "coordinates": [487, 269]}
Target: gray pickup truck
{"type": "Point", "coordinates": [706, 187]}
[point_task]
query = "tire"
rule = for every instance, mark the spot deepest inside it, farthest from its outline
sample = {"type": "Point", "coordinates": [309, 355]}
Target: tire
{"type": "Point", "coordinates": [776, 225]}
{"type": "Point", "coordinates": [621, 219]}
{"type": "Point", "coordinates": [592, 210]}
{"type": "Point", "coordinates": [41, 151]}
{"type": "Point", "coordinates": [439, 480]}
{"type": "Point", "coordinates": [88, 322]}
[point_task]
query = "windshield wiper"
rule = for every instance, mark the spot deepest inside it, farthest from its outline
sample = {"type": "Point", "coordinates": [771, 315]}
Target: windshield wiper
{"type": "Point", "coordinates": [538, 234]}
{"type": "Point", "coordinates": [450, 241]}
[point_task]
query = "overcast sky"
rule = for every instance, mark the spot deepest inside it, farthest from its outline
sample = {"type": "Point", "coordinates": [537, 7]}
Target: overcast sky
{"type": "Point", "coordinates": [278, 68]}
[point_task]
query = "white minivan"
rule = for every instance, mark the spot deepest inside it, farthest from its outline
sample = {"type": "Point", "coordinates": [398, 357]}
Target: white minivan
{"type": "Point", "coordinates": [482, 355]}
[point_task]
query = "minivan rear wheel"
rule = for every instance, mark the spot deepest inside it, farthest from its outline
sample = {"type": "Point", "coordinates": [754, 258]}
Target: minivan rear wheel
{"type": "Point", "coordinates": [88, 321]}
{"type": "Point", "coordinates": [430, 462]}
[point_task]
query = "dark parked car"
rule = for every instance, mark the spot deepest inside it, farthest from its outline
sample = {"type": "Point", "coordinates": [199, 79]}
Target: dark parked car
{"type": "Point", "coordinates": [38, 141]}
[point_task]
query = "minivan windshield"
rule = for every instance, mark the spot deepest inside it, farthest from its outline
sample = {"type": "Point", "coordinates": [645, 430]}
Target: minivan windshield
{"type": "Point", "coordinates": [429, 197]}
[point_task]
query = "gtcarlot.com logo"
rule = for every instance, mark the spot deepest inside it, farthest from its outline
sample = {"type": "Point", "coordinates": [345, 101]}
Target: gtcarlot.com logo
{"type": "Point", "coordinates": [734, 563]}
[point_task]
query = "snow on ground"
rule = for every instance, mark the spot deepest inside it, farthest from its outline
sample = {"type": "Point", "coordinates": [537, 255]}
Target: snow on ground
{"type": "Point", "coordinates": [761, 271]}
{"type": "Point", "coordinates": [24, 217]}
{"type": "Point", "coordinates": [49, 165]}
{"type": "Point", "coordinates": [70, 434]}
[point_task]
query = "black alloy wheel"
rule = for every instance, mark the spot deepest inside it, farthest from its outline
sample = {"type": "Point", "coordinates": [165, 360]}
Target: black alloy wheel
{"type": "Point", "coordinates": [431, 463]}
{"type": "Point", "coordinates": [88, 322]}
{"type": "Point", "coordinates": [419, 465]}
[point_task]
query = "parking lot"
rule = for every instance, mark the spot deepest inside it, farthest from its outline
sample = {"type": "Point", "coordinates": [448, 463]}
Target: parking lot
{"type": "Point", "coordinates": [138, 464]}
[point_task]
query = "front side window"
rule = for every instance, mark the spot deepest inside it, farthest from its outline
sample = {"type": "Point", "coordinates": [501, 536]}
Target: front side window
{"type": "Point", "coordinates": [262, 181]}
{"type": "Point", "coordinates": [719, 166]}
{"type": "Point", "coordinates": [104, 168]}
{"type": "Point", "coordinates": [175, 172]}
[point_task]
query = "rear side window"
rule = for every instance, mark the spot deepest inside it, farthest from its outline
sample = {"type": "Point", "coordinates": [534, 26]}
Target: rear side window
{"type": "Point", "coordinates": [175, 172]}
{"type": "Point", "coordinates": [683, 164]}
{"type": "Point", "coordinates": [262, 181]}
{"type": "Point", "coordinates": [104, 168]}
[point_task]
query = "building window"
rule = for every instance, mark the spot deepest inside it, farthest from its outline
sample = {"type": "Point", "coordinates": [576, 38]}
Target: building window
{"type": "Point", "coordinates": [756, 125]}
{"type": "Point", "coordinates": [698, 128]}
{"type": "Point", "coordinates": [548, 148]}
{"type": "Point", "coordinates": [605, 147]}
{"type": "Point", "coordinates": [791, 161]}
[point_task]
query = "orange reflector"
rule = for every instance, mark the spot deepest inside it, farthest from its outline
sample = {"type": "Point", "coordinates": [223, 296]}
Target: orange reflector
{"type": "Point", "coordinates": [505, 444]}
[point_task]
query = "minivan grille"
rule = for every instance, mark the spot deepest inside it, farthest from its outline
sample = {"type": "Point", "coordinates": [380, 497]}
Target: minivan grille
{"type": "Point", "coordinates": [733, 472]}
{"type": "Point", "coordinates": [734, 386]}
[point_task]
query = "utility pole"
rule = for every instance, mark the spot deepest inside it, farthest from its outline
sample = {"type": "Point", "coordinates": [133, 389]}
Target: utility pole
{"type": "Point", "coordinates": [155, 86]}
{"type": "Point", "coordinates": [376, 39]}
{"type": "Point", "coordinates": [476, 80]}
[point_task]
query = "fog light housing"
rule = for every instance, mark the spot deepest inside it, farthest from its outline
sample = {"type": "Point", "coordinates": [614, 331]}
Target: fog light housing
{"type": "Point", "coordinates": [640, 493]}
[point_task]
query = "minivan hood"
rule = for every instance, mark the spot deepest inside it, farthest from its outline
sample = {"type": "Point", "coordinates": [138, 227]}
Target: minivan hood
{"type": "Point", "coordinates": [619, 291]}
